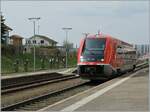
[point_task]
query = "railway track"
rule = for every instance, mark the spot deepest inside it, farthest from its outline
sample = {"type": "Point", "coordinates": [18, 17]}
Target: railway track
{"type": "Point", "coordinates": [66, 80]}
{"type": "Point", "coordinates": [32, 84]}
{"type": "Point", "coordinates": [29, 103]}
{"type": "Point", "coordinates": [24, 105]}
{"type": "Point", "coordinates": [13, 82]}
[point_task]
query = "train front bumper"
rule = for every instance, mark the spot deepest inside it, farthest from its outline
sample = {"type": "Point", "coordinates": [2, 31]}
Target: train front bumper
{"type": "Point", "coordinates": [98, 71]}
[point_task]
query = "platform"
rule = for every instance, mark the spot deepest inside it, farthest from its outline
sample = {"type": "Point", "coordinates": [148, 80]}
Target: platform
{"type": "Point", "coordinates": [61, 71]}
{"type": "Point", "coordinates": [126, 93]}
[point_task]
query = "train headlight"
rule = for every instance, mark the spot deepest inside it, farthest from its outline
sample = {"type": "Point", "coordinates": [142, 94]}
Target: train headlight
{"type": "Point", "coordinates": [81, 58]}
{"type": "Point", "coordinates": [102, 59]}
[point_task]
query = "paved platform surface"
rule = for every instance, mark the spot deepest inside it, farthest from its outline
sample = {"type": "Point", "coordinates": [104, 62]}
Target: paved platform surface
{"type": "Point", "coordinates": [126, 93]}
{"type": "Point", "coordinates": [62, 71]}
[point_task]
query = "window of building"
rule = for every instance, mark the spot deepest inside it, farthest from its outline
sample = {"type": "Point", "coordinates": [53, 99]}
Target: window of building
{"type": "Point", "coordinates": [42, 41]}
{"type": "Point", "coordinates": [29, 42]}
{"type": "Point", "coordinates": [25, 49]}
{"type": "Point", "coordinates": [34, 41]}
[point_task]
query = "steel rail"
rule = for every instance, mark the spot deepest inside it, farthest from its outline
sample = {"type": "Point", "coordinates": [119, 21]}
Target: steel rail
{"type": "Point", "coordinates": [28, 80]}
{"type": "Point", "coordinates": [38, 98]}
{"type": "Point", "coordinates": [35, 84]}
{"type": "Point", "coordinates": [28, 101]}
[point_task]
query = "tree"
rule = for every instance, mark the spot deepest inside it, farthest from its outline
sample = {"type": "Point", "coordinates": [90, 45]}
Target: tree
{"type": "Point", "coordinates": [68, 45]}
{"type": "Point", "coordinates": [4, 30]}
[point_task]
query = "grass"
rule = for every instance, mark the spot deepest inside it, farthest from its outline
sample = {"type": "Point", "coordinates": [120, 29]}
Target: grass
{"type": "Point", "coordinates": [7, 63]}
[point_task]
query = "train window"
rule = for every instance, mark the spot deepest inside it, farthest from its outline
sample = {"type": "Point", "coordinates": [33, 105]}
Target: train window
{"type": "Point", "coordinates": [94, 46]}
{"type": "Point", "coordinates": [120, 50]}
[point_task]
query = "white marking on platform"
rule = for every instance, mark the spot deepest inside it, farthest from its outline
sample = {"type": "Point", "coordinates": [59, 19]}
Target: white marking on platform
{"type": "Point", "coordinates": [94, 96]}
{"type": "Point", "coordinates": [68, 70]}
{"type": "Point", "coordinates": [62, 101]}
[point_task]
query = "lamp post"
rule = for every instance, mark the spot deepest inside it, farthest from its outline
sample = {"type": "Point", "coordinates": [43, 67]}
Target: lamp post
{"type": "Point", "coordinates": [34, 19]}
{"type": "Point", "coordinates": [38, 28]}
{"type": "Point", "coordinates": [66, 30]}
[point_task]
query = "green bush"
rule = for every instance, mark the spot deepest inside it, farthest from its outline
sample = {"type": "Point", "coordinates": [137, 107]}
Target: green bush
{"type": "Point", "coordinates": [8, 64]}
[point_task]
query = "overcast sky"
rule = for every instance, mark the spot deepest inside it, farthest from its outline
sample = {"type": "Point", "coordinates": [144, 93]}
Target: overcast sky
{"type": "Point", "coordinates": [128, 21]}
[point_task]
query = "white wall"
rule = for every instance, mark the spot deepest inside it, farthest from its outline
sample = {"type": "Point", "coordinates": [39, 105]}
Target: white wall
{"type": "Point", "coordinates": [38, 41]}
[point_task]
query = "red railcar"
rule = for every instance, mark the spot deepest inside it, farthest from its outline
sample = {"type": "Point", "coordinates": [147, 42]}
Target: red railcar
{"type": "Point", "coordinates": [102, 56]}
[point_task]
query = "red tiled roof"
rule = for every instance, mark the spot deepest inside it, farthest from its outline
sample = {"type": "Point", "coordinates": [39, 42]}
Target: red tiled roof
{"type": "Point", "coordinates": [16, 36]}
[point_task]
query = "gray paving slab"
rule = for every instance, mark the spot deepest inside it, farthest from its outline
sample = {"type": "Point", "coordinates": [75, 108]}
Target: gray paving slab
{"type": "Point", "coordinates": [131, 95]}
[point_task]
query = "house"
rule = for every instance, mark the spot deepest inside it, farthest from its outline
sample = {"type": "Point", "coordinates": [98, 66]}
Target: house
{"type": "Point", "coordinates": [43, 44]}
{"type": "Point", "coordinates": [16, 40]}
{"type": "Point", "coordinates": [142, 49]}
{"type": "Point", "coordinates": [40, 40]}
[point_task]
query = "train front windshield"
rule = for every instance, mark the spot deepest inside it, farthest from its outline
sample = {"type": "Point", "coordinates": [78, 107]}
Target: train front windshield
{"type": "Point", "coordinates": [93, 49]}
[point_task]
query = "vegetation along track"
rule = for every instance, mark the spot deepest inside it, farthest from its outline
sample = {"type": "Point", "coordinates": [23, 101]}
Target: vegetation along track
{"type": "Point", "coordinates": [43, 100]}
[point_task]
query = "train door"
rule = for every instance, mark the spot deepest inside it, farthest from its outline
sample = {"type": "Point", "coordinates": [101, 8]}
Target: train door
{"type": "Point", "coordinates": [120, 58]}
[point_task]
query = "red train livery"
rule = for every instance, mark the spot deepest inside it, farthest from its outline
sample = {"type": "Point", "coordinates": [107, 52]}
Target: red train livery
{"type": "Point", "coordinates": [102, 56]}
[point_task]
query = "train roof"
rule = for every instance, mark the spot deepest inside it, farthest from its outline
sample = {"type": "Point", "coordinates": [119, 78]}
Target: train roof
{"type": "Point", "coordinates": [110, 37]}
